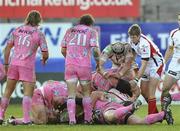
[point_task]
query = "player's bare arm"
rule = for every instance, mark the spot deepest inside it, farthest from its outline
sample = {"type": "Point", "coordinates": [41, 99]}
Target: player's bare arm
{"type": "Point", "coordinates": [168, 53]}
{"type": "Point", "coordinates": [7, 51]}
{"type": "Point", "coordinates": [96, 95]}
{"type": "Point", "coordinates": [45, 56]}
{"type": "Point", "coordinates": [135, 91]}
{"type": "Point", "coordinates": [96, 54]}
{"type": "Point", "coordinates": [63, 51]}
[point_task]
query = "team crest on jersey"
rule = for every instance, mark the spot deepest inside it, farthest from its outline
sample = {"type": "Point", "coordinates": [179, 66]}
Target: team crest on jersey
{"type": "Point", "coordinates": [143, 48]}
{"type": "Point", "coordinates": [56, 93]}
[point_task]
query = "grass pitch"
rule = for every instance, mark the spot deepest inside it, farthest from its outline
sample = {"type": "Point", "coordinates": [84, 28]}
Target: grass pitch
{"type": "Point", "coordinates": [17, 111]}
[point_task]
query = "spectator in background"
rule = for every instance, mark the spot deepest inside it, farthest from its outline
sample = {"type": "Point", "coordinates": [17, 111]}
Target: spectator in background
{"type": "Point", "coordinates": [173, 72]}
{"type": "Point", "coordinates": [152, 65]}
{"type": "Point", "coordinates": [76, 48]}
{"type": "Point", "coordinates": [21, 67]}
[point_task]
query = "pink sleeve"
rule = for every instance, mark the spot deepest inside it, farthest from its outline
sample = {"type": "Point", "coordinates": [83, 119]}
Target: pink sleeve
{"type": "Point", "coordinates": [64, 41]}
{"type": "Point", "coordinates": [94, 39]}
{"type": "Point", "coordinates": [43, 42]}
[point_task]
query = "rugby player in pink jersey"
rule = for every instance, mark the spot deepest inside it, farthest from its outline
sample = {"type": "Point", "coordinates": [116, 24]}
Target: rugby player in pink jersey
{"type": "Point", "coordinates": [113, 107]}
{"type": "Point", "coordinates": [76, 48]}
{"type": "Point", "coordinates": [152, 65]}
{"type": "Point", "coordinates": [45, 103]}
{"type": "Point", "coordinates": [21, 66]}
{"type": "Point", "coordinates": [98, 82]}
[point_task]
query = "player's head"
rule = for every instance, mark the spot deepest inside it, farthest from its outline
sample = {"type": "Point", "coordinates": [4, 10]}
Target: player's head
{"type": "Point", "coordinates": [33, 18]}
{"type": "Point", "coordinates": [86, 19]}
{"type": "Point", "coordinates": [118, 48]}
{"type": "Point", "coordinates": [124, 87]}
{"type": "Point", "coordinates": [134, 33]}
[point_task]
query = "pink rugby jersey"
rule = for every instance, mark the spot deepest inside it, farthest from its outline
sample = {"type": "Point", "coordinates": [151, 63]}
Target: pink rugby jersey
{"type": "Point", "coordinates": [26, 40]}
{"type": "Point", "coordinates": [79, 40]}
{"type": "Point", "coordinates": [100, 83]}
{"type": "Point", "coordinates": [53, 88]}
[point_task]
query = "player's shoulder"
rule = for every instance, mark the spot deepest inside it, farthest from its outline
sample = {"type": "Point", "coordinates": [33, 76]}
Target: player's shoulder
{"type": "Point", "coordinates": [143, 37]}
{"type": "Point", "coordinates": [145, 40]}
{"type": "Point", "coordinates": [18, 28]}
{"type": "Point", "coordinates": [174, 31]}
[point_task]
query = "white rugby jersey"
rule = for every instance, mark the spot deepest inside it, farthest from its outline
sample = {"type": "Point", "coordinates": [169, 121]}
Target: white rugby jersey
{"type": "Point", "coordinates": [175, 41]}
{"type": "Point", "coordinates": [146, 48]}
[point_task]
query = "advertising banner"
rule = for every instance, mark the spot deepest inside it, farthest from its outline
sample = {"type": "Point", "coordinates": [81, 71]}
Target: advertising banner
{"type": "Point", "coordinates": [70, 8]}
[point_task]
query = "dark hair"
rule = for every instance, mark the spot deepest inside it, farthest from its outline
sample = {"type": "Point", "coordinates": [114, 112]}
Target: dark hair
{"type": "Point", "coordinates": [86, 19]}
{"type": "Point", "coordinates": [33, 18]}
{"type": "Point", "coordinates": [134, 29]}
{"type": "Point", "coordinates": [124, 87]}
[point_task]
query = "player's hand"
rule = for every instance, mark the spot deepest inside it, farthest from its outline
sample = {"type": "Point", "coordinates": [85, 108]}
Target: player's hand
{"type": "Point", "coordinates": [133, 83]}
{"type": "Point", "coordinates": [43, 61]}
{"type": "Point", "coordinates": [106, 75]}
{"type": "Point", "coordinates": [98, 68]}
{"type": "Point", "coordinates": [6, 69]}
{"type": "Point", "coordinates": [132, 99]}
{"type": "Point", "coordinates": [115, 75]}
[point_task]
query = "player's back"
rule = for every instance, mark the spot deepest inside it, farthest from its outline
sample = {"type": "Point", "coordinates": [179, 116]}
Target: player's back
{"type": "Point", "coordinates": [54, 88]}
{"type": "Point", "coordinates": [100, 83]}
{"type": "Point", "coordinates": [26, 41]}
{"type": "Point", "coordinates": [79, 41]}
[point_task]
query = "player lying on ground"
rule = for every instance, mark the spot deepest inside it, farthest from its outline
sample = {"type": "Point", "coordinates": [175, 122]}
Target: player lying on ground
{"type": "Point", "coordinates": [114, 107]}
{"type": "Point", "coordinates": [98, 82]}
{"type": "Point", "coordinates": [45, 101]}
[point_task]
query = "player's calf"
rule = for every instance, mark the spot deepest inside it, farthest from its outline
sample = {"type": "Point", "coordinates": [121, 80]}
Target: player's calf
{"type": "Point", "coordinates": [168, 117]}
{"type": "Point", "coordinates": [166, 101]}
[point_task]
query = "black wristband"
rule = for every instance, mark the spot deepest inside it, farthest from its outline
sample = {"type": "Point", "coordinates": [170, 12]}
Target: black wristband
{"type": "Point", "coordinates": [6, 64]}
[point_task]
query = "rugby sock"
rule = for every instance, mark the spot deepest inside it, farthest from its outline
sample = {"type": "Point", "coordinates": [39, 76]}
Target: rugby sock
{"type": "Point", "coordinates": [120, 112]}
{"type": "Point", "coordinates": [71, 106]}
{"type": "Point", "coordinates": [26, 103]}
{"type": "Point", "coordinates": [3, 107]}
{"type": "Point", "coordinates": [175, 97]}
{"type": "Point", "coordinates": [153, 118]}
{"type": "Point", "coordinates": [87, 109]}
{"type": "Point", "coordinates": [18, 121]}
{"type": "Point", "coordinates": [152, 108]}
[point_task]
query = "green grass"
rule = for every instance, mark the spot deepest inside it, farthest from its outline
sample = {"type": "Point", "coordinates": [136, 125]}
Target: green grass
{"type": "Point", "coordinates": [17, 111]}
